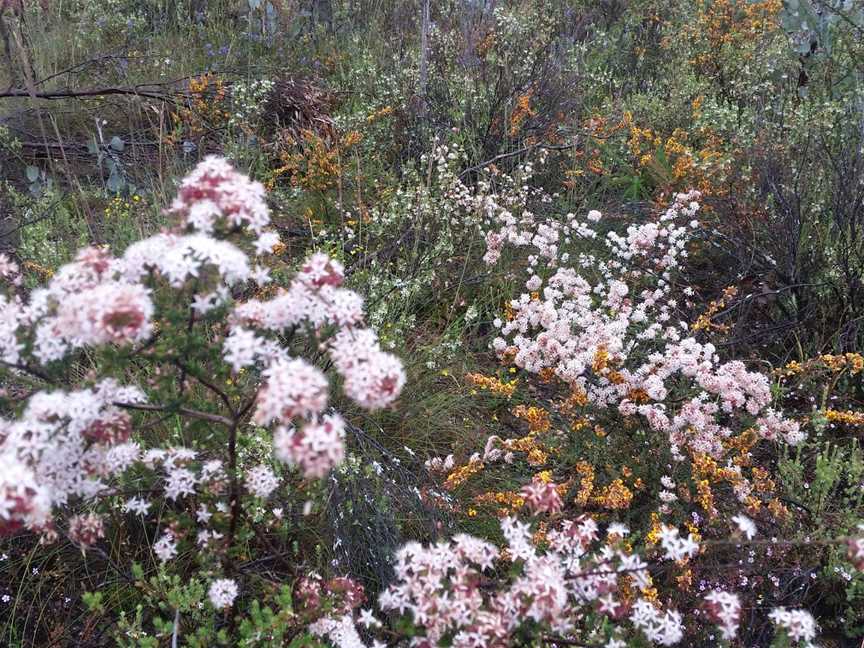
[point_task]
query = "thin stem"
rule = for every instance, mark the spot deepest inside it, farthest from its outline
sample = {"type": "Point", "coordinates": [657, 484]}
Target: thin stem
{"type": "Point", "coordinates": [185, 411]}
{"type": "Point", "coordinates": [33, 371]}
{"type": "Point", "coordinates": [213, 388]}
{"type": "Point", "coordinates": [233, 494]}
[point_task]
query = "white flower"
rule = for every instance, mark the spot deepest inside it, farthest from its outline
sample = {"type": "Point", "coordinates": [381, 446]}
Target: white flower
{"type": "Point", "coordinates": [798, 624]}
{"type": "Point", "coordinates": [166, 547]}
{"type": "Point", "coordinates": [261, 481]}
{"type": "Point", "coordinates": [745, 525]}
{"type": "Point", "coordinates": [137, 505]}
{"type": "Point", "coordinates": [368, 619]}
{"type": "Point", "coordinates": [222, 593]}
{"type": "Point", "coordinates": [617, 529]}
{"type": "Point", "coordinates": [677, 548]}
{"type": "Point", "coordinates": [203, 514]}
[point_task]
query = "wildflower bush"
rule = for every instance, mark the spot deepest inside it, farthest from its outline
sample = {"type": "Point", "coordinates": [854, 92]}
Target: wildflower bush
{"type": "Point", "coordinates": [164, 311]}
{"type": "Point", "coordinates": [424, 324]}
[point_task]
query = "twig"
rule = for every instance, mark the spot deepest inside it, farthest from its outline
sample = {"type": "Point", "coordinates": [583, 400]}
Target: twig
{"type": "Point", "coordinates": [185, 411]}
{"type": "Point", "coordinates": [233, 495]}
{"type": "Point", "coordinates": [33, 371]}
{"type": "Point", "coordinates": [213, 388]}
{"type": "Point", "coordinates": [138, 91]}
{"type": "Point", "coordinates": [524, 149]}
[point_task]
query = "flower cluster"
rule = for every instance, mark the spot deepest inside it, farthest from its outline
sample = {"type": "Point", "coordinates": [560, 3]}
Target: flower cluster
{"type": "Point", "coordinates": [608, 325]}
{"type": "Point", "coordinates": [724, 609]}
{"type": "Point", "coordinates": [261, 481]}
{"type": "Point", "coordinates": [85, 530]}
{"type": "Point", "coordinates": [222, 593]}
{"type": "Point", "coordinates": [603, 319]}
{"type": "Point", "coordinates": [589, 333]}
{"type": "Point", "coordinates": [215, 193]}
{"type": "Point", "coordinates": [64, 445]}
{"type": "Point", "coordinates": [315, 448]}
{"type": "Point", "coordinates": [798, 625]}
{"type": "Point", "coordinates": [442, 586]}
{"type": "Point", "coordinates": [676, 547]}
{"type": "Point", "coordinates": [68, 445]}
{"type": "Point", "coordinates": [855, 548]}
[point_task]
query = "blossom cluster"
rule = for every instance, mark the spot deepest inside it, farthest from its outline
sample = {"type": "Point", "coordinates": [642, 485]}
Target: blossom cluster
{"type": "Point", "coordinates": [616, 336]}
{"type": "Point", "coordinates": [605, 316]}
{"type": "Point", "coordinates": [450, 590]}
{"type": "Point", "coordinates": [798, 625]}
{"type": "Point", "coordinates": [68, 445]}
{"type": "Point", "coordinates": [222, 593]}
{"type": "Point", "coordinates": [612, 327]}
{"type": "Point", "coordinates": [64, 445]}
{"type": "Point", "coordinates": [724, 609]}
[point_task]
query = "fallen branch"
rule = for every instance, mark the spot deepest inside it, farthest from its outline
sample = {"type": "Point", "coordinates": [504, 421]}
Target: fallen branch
{"type": "Point", "coordinates": [146, 91]}
{"type": "Point", "coordinates": [524, 149]}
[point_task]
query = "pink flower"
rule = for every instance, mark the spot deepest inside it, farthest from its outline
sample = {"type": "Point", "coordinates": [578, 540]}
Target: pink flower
{"type": "Point", "coordinates": [724, 609]}
{"type": "Point", "coordinates": [373, 378]}
{"type": "Point", "coordinates": [315, 448]}
{"type": "Point", "coordinates": [292, 388]}
{"type": "Point", "coordinates": [772, 426]}
{"type": "Point", "coordinates": [320, 270]}
{"type": "Point", "coordinates": [23, 502]}
{"type": "Point", "coordinates": [855, 548]}
{"type": "Point", "coordinates": [86, 530]}
{"type": "Point", "coordinates": [113, 312]}
{"type": "Point", "coordinates": [215, 190]}
{"type": "Point", "coordinates": [542, 497]}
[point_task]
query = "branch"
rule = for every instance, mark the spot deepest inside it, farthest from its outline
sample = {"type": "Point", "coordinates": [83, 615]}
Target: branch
{"type": "Point", "coordinates": [185, 411]}
{"type": "Point", "coordinates": [524, 149]}
{"type": "Point", "coordinates": [144, 90]}
{"type": "Point", "coordinates": [233, 497]}
{"type": "Point", "coordinates": [213, 388]}
{"type": "Point", "coordinates": [33, 371]}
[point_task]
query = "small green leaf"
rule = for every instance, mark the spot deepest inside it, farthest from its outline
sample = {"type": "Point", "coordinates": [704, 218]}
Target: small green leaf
{"type": "Point", "coordinates": [116, 182]}
{"type": "Point", "coordinates": [117, 143]}
{"type": "Point", "coordinates": [93, 601]}
{"type": "Point", "coordinates": [32, 173]}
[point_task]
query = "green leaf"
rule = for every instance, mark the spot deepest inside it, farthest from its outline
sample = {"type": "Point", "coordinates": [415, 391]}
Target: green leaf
{"type": "Point", "coordinates": [93, 601]}
{"type": "Point", "coordinates": [32, 173]}
{"type": "Point", "coordinates": [116, 182]}
{"type": "Point", "coordinates": [117, 143]}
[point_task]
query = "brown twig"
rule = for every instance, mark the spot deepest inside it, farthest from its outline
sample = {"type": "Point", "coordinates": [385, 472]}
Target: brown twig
{"type": "Point", "coordinates": [184, 411]}
{"type": "Point", "coordinates": [144, 90]}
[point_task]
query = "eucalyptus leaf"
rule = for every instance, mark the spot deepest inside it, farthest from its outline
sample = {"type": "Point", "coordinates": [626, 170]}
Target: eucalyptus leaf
{"type": "Point", "coordinates": [116, 182]}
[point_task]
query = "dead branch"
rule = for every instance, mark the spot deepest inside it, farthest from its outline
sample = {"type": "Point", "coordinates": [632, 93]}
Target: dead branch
{"type": "Point", "coordinates": [148, 91]}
